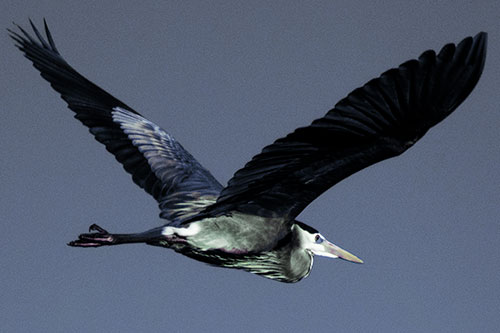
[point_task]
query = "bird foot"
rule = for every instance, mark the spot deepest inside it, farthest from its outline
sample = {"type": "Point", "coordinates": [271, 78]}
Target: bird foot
{"type": "Point", "coordinates": [94, 239]}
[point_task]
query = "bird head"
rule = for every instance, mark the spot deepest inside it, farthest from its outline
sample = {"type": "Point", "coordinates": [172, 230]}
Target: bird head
{"type": "Point", "coordinates": [311, 240]}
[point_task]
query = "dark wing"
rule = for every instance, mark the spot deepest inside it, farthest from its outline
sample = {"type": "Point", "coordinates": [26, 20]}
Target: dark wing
{"type": "Point", "coordinates": [377, 121]}
{"type": "Point", "coordinates": [156, 161]}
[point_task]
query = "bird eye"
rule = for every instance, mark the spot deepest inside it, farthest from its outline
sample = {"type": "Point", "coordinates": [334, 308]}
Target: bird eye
{"type": "Point", "coordinates": [318, 239]}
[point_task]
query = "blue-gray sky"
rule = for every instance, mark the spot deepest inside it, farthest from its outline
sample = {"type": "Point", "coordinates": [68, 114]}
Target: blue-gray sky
{"type": "Point", "coordinates": [226, 78]}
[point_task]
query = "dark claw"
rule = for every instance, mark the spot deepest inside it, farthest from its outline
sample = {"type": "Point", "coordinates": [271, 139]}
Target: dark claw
{"type": "Point", "coordinates": [98, 237]}
{"type": "Point", "coordinates": [93, 239]}
{"type": "Point", "coordinates": [97, 228]}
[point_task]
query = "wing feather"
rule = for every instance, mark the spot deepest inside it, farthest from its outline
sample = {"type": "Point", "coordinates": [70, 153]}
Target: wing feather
{"type": "Point", "coordinates": [156, 161]}
{"type": "Point", "coordinates": [382, 119]}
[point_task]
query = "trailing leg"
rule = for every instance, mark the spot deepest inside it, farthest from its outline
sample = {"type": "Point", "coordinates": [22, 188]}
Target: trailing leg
{"type": "Point", "coordinates": [100, 237]}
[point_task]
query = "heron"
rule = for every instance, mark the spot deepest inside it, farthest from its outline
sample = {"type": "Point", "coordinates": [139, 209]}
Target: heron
{"type": "Point", "coordinates": [251, 224]}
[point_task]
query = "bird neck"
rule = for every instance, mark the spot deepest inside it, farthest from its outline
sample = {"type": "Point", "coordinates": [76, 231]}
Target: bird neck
{"type": "Point", "coordinates": [293, 263]}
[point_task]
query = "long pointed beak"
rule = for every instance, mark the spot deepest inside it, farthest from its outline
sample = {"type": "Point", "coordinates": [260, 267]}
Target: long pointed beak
{"type": "Point", "coordinates": [337, 252]}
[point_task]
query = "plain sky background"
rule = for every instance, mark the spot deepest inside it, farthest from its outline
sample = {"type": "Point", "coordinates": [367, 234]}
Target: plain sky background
{"type": "Point", "coordinates": [226, 78]}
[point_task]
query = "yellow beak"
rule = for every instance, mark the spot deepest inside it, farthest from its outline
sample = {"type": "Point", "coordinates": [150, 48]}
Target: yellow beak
{"type": "Point", "coordinates": [334, 251]}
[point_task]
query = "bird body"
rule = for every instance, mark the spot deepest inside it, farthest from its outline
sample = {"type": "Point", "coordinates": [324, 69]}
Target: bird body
{"type": "Point", "coordinates": [251, 224]}
{"type": "Point", "coordinates": [235, 233]}
{"type": "Point", "coordinates": [283, 261]}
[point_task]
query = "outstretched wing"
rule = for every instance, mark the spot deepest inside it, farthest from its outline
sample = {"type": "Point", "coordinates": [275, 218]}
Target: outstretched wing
{"type": "Point", "coordinates": [377, 121]}
{"type": "Point", "coordinates": [156, 161]}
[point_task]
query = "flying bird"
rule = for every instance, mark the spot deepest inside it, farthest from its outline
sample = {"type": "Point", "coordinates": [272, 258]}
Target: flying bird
{"type": "Point", "coordinates": [251, 224]}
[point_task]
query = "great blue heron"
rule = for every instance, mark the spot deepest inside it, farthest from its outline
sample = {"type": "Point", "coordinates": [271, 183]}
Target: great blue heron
{"type": "Point", "coordinates": [250, 224]}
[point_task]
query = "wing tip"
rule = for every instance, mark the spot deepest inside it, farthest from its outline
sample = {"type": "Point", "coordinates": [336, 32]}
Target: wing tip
{"type": "Point", "coordinates": [480, 45]}
{"type": "Point", "coordinates": [25, 40]}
